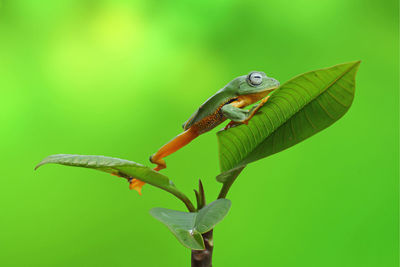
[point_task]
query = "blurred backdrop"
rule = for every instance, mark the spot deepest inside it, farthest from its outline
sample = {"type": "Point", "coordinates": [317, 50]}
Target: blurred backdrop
{"type": "Point", "coordinates": [118, 78]}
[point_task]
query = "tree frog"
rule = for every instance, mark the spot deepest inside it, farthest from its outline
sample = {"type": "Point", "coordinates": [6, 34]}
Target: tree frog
{"type": "Point", "coordinates": [227, 103]}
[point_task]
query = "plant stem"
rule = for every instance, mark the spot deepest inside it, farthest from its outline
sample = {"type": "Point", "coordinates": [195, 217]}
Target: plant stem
{"type": "Point", "coordinates": [182, 197]}
{"type": "Point", "coordinates": [203, 258]}
{"type": "Point", "coordinates": [228, 182]}
{"type": "Point", "coordinates": [170, 189]}
{"type": "Point", "coordinates": [224, 190]}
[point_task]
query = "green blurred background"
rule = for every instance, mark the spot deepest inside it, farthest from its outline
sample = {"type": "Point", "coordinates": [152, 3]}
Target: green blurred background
{"type": "Point", "coordinates": [118, 78]}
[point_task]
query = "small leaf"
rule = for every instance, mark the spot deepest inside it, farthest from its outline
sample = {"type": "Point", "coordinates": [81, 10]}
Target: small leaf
{"type": "Point", "coordinates": [181, 224]}
{"type": "Point", "coordinates": [202, 196]}
{"type": "Point", "coordinates": [211, 214]}
{"type": "Point", "coordinates": [188, 226]}
{"type": "Point", "coordinates": [297, 110]}
{"type": "Point", "coordinates": [121, 167]}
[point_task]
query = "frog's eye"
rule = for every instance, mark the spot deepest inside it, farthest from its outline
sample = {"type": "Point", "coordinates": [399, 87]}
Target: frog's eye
{"type": "Point", "coordinates": [255, 78]}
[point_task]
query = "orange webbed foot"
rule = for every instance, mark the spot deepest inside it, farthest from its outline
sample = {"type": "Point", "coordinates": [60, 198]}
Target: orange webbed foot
{"type": "Point", "coordinates": [136, 184]}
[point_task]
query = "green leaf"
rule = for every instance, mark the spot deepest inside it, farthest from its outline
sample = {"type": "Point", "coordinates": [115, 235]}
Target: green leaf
{"type": "Point", "coordinates": [188, 226]}
{"type": "Point", "coordinates": [297, 110]}
{"type": "Point", "coordinates": [211, 214]}
{"type": "Point", "coordinates": [121, 167]}
{"type": "Point", "coordinates": [181, 224]}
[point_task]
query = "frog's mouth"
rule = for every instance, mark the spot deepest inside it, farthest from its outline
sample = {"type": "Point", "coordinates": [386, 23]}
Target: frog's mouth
{"type": "Point", "coordinates": [260, 95]}
{"type": "Point", "coordinates": [271, 89]}
{"type": "Point", "coordinates": [276, 83]}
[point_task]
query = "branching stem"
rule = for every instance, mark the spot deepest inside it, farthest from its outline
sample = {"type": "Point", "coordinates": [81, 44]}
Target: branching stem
{"type": "Point", "coordinates": [182, 197]}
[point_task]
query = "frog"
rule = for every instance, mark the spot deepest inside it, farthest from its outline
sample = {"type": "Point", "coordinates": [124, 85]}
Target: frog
{"type": "Point", "coordinates": [226, 104]}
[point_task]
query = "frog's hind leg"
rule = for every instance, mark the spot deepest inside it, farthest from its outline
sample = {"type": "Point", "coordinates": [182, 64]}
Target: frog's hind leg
{"type": "Point", "coordinates": [169, 148]}
{"type": "Point", "coordinates": [172, 146]}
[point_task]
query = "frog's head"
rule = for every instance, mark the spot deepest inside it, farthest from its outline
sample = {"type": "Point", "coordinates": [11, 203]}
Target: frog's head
{"type": "Point", "coordinates": [255, 82]}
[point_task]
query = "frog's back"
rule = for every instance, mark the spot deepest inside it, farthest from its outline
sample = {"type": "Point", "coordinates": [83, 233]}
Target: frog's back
{"type": "Point", "coordinates": [209, 115]}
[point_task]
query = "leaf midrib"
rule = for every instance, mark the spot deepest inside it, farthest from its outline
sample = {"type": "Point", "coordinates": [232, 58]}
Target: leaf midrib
{"type": "Point", "coordinates": [322, 91]}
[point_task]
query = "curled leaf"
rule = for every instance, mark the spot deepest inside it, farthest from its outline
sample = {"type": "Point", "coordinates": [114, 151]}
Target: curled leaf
{"type": "Point", "coordinates": [120, 167]}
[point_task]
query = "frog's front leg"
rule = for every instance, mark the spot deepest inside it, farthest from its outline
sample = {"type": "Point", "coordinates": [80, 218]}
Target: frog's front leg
{"type": "Point", "coordinates": [254, 109]}
{"type": "Point", "coordinates": [238, 115]}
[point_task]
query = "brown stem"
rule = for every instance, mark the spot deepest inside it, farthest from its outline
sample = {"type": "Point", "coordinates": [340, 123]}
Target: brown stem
{"type": "Point", "coordinates": [203, 258]}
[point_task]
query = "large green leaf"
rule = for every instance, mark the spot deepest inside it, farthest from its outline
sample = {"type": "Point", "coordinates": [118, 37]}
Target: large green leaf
{"type": "Point", "coordinates": [297, 110]}
{"type": "Point", "coordinates": [188, 226]}
{"type": "Point", "coordinates": [121, 167]}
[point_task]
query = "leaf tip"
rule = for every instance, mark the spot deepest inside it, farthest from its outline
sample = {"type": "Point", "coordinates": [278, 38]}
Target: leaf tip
{"type": "Point", "coordinates": [357, 63]}
{"type": "Point", "coordinates": [227, 201]}
{"type": "Point", "coordinates": [354, 64]}
{"type": "Point", "coordinates": [38, 165]}
{"type": "Point", "coordinates": [154, 211]}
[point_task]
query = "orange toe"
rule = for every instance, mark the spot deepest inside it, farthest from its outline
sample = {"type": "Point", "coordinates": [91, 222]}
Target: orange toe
{"type": "Point", "coordinates": [136, 185]}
